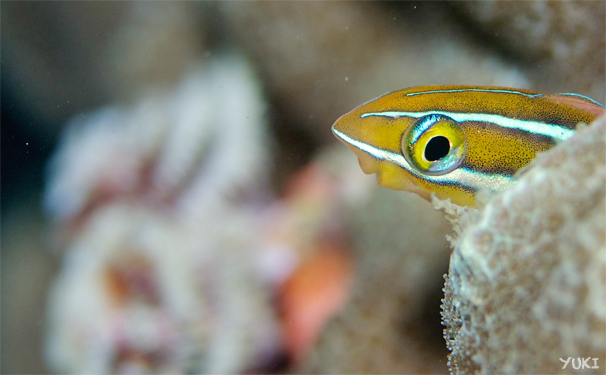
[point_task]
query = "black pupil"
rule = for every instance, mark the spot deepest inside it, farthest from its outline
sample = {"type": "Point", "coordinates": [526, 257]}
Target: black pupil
{"type": "Point", "coordinates": [437, 148]}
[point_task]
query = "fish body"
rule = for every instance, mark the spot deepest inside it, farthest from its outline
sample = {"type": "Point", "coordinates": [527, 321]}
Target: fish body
{"type": "Point", "coordinates": [457, 140]}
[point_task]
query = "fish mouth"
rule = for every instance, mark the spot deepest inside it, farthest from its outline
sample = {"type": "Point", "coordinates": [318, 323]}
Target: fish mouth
{"type": "Point", "coordinates": [388, 173]}
{"type": "Point", "coordinates": [368, 162]}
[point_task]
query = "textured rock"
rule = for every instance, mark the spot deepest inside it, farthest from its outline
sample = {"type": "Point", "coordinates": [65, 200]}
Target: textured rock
{"type": "Point", "coordinates": [526, 284]}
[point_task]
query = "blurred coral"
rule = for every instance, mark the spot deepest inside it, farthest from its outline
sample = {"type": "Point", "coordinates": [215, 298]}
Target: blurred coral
{"type": "Point", "coordinates": [168, 149]}
{"type": "Point", "coordinates": [140, 290]}
{"type": "Point", "coordinates": [177, 261]}
{"type": "Point", "coordinates": [158, 206]}
{"type": "Point", "coordinates": [308, 220]}
{"type": "Point", "coordinates": [527, 284]}
{"type": "Point", "coordinates": [391, 323]}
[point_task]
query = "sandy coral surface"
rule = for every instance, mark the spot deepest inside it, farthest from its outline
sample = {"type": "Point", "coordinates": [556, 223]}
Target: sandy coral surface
{"type": "Point", "coordinates": [525, 292]}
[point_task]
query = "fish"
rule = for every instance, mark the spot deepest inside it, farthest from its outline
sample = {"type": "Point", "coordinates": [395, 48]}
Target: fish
{"type": "Point", "coordinates": [455, 141]}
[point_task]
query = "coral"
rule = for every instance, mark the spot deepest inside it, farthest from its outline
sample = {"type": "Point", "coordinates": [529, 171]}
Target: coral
{"type": "Point", "coordinates": [139, 291]}
{"type": "Point", "coordinates": [202, 144]}
{"type": "Point", "coordinates": [526, 284]}
{"type": "Point", "coordinates": [175, 260]}
{"type": "Point", "coordinates": [157, 209]}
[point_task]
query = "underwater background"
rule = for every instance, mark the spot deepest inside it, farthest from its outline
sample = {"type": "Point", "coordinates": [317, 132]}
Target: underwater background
{"type": "Point", "coordinates": [173, 199]}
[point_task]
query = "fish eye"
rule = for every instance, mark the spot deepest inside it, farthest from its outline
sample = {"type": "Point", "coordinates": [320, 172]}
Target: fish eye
{"type": "Point", "coordinates": [434, 145]}
{"type": "Point", "coordinates": [437, 148]}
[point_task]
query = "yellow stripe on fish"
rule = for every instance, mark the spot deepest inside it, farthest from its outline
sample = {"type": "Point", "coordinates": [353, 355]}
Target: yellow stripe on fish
{"type": "Point", "coordinates": [456, 140]}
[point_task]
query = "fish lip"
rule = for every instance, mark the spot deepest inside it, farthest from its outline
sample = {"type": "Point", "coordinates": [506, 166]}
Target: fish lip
{"type": "Point", "coordinates": [368, 163]}
{"type": "Point", "coordinates": [372, 165]}
{"type": "Point", "coordinates": [334, 129]}
{"type": "Point", "coordinates": [338, 133]}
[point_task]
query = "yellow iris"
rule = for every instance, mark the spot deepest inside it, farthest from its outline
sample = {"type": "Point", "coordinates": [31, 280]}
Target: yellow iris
{"type": "Point", "coordinates": [434, 145]}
